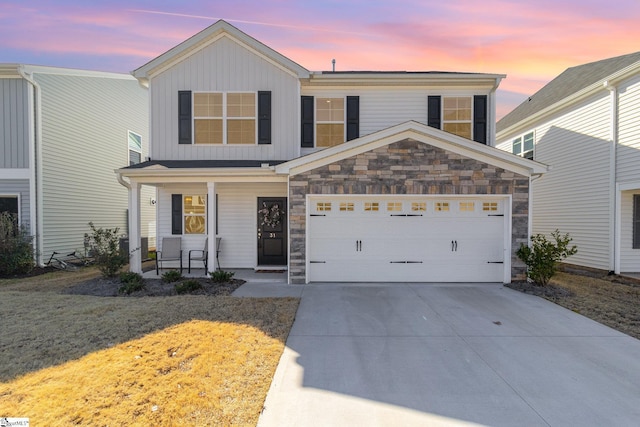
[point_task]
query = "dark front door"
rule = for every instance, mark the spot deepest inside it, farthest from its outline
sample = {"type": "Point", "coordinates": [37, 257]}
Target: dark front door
{"type": "Point", "coordinates": [272, 231]}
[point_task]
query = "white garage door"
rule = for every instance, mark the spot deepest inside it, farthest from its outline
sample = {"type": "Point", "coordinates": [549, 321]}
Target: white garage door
{"type": "Point", "coordinates": [406, 239]}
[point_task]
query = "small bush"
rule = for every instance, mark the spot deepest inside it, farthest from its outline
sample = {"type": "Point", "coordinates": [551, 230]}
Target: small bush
{"type": "Point", "coordinates": [171, 276]}
{"type": "Point", "coordinates": [131, 282]}
{"type": "Point", "coordinates": [543, 256]}
{"type": "Point", "coordinates": [16, 249]}
{"type": "Point", "coordinates": [221, 276]}
{"type": "Point", "coordinates": [187, 286]}
{"type": "Point", "coordinates": [105, 245]}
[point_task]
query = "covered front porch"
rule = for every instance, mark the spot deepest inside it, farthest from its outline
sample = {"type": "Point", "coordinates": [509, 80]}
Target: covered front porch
{"type": "Point", "coordinates": [212, 211]}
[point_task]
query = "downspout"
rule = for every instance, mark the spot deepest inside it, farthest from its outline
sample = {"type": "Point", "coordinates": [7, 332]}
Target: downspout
{"type": "Point", "coordinates": [614, 250]}
{"type": "Point", "coordinates": [36, 165]}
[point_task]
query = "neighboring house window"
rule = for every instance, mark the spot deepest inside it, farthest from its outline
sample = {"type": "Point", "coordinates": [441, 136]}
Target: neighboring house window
{"type": "Point", "coordinates": [224, 118]}
{"type": "Point", "coordinates": [135, 148]}
{"type": "Point", "coordinates": [194, 214]}
{"type": "Point", "coordinates": [523, 146]}
{"type": "Point", "coordinates": [636, 221]}
{"type": "Point", "coordinates": [10, 203]}
{"type": "Point", "coordinates": [456, 115]}
{"type": "Point", "coordinates": [329, 122]}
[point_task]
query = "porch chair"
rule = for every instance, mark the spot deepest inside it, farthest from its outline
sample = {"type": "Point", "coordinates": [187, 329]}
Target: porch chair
{"type": "Point", "coordinates": [171, 251]}
{"type": "Point", "coordinates": [204, 255]}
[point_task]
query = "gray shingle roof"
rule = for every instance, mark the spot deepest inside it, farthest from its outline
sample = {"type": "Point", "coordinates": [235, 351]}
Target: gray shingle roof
{"type": "Point", "coordinates": [190, 164]}
{"type": "Point", "coordinates": [571, 81]}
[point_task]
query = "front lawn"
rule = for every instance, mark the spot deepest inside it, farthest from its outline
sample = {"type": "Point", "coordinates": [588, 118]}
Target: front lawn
{"type": "Point", "coordinates": [179, 360]}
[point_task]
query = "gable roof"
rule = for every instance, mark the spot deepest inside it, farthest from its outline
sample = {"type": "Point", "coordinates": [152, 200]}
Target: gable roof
{"type": "Point", "coordinates": [574, 81]}
{"type": "Point", "coordinates": [207, 36]}
{"type": "Point", "coordinates": [419, 132]}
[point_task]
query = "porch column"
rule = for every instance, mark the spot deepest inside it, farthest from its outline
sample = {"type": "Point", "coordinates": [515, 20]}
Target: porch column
{"type": "Point", "coordinates": [135, 257]}
{"type": "Point", "coordinates": [211, 226]}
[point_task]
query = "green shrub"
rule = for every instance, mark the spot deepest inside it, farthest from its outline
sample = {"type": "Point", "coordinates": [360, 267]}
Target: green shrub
{"type": "Point", "coordinates": [16, 249]}
{"type": "Point", "coordinates": [187, 286]}
{"type": "Point", "coordinates": [543, 256]}
{"type": "Point", "coordinates": [131, 282]}
{"type": "Point", "coordinates": [171, 276]}
{"type": "Point", "coordinates": [221, 276]}
{"type": "Point", "coordinates": [105, 246]}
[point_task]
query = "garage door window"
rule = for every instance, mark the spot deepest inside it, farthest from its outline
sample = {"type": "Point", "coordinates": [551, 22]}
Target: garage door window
{"type": "Point", "coordinates": [394, 207]}
{"type": "Point", "coordinates": [371, 207]}
{"type": "Point", "coordinates": [346, 207]}
{"type": "Point", "coordinates": [419, 206]}
{"type": "Point", "coordinates": [490, 206]}
{"type": "Point", "coordinates": [467, 206]}
{"type": "Point", "coordinates": [323, 206]}
{"type": "Point", "coordinates": [442, 207]}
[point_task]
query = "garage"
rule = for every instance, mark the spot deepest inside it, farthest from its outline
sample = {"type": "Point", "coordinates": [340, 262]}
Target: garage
{"type": "Point", "coordinates": [355, 238]}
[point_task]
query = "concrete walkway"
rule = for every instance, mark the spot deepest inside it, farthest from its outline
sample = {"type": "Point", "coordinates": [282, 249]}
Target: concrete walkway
{"type": "Point", "coordinates": [455, 354]}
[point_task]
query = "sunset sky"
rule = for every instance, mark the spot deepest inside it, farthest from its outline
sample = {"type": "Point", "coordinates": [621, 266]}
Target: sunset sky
{"type": "Point", "coordinates": [531, 41]}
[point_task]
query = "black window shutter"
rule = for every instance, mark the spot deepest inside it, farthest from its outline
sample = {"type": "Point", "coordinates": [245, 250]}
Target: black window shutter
{"type": "Point", "coordinates": [264, 117]}
{"type": "Point", "coordinates": [176, 214]}
{"type": "Point", "coordinates": [353, 117]}
{"type": "Point", "coordinates": [636, 221]}
{"type": "Point", "coordinates": [433, 112]}
{"type": "Point", "coordinates": [306, 121]}
{"type": "Point", "coordinates": [184, 117]}
{"type": "Point", "coordinates": [480, 118]}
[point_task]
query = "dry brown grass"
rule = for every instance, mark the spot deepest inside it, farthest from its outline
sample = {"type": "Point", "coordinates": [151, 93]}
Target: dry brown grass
{"type": "Point", "coordinates": [183, 360]}
{"type": "Point", "coordinates": [616, 305]}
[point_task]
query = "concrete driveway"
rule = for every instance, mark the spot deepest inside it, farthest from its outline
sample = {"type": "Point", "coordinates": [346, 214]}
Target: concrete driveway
{"type": "Point", "coordinates": [454, 354]}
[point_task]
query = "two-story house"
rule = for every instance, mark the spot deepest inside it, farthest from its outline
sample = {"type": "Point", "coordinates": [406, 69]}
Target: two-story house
{"type": "Point", "coordinates": [585, 125]}
{"type": "Point", "coordinates": [62, 133]}
{"type": "Point", "coordinates": [334, 176]}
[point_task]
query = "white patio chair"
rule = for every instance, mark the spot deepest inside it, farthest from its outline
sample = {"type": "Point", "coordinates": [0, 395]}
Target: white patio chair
{"type": "Point", "coordinates": [171, 251]}
{"type": "Point", "coordinates": [204, 255]}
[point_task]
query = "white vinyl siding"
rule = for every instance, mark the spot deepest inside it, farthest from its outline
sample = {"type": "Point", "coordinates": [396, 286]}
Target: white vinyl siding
{"type": "Point", "coordinates": [237, 219]}
{"type": "Point", "coordinates": [225, 66]}
{"type": "Point", "coordinates": [629, 257]}
{"type": "Point", "coordinates": [18, 187]}
{"type": "Point", "coordinates": [84, 139]}
{"type": "Point", "coordinates": [574, 196]}
{"type": "Point", "coordinates": [628, 150]}
{"type": "Point", "coordinates": [14, 123]}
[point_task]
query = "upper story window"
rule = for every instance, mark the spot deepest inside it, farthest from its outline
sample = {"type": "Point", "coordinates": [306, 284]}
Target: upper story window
{"type": "Point", "coordinates": [456, 115]}
{"type": "Point", "coordinates": [224, 118]}
{"type": "Point", "coordinates": [329, 122]}
{"type": "Point", "coordinates": [523, 146]}
{"type": "Point", "coordinates": [326, 121]}
{"type": "Point", "coordinates": [135, 148]}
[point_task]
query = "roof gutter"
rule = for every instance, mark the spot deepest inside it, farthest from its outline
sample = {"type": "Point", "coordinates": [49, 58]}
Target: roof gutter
{"type": "Point", "coordinates": [35, 186]}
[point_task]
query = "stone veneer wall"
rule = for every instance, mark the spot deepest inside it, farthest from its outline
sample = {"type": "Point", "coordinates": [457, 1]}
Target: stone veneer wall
{"type": "Point", "coordinates": [405, 167]}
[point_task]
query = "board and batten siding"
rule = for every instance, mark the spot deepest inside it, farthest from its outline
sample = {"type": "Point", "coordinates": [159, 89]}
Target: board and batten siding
{"type": "Point", "coordinates": [629, 257]}
{"type": "Point", "coordinates": [574, 196]}
{"type": "Point", "coordinates": [628, 149]}
{"type": "Point", "coordinates": [14, 123]}
{"type": "Point", "coordinates": [19, 187]}
{"type": "Point", "coordinates": [237, 219]}
{"type": "Point", "coordinates": [85, 120]}
{"type": "Point", "coordinates": [225, 66]}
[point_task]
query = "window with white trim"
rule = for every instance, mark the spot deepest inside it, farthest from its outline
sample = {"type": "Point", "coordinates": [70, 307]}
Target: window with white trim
{"type": "Point", "coordinates": [457, 115]}
{"type": "Point", "coordinates": [135, 148]}
{"type": "Point", "coordinates": [330, 114]}
{"type": "Point", "coordinates": [224, 118]}
{"type": "Point", "coordinates": [194, 211]}
{"type": "Point", "coordinates": [523, 146]}
{"type": "Point", "coordinates": [11, 203]}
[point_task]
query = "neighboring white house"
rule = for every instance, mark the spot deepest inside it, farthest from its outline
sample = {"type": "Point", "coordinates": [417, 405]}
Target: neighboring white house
{"type": "Point", "coordinates": [585, 124]}
{"type": "Point", "coordinates": [62, 133]}
{"type": "Point", "coordinates": [334, 176]}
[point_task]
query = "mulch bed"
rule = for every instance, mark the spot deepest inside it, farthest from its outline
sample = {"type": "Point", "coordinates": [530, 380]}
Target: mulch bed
{"type": "Point", "coordinates": [550, 291]}
{"type": "Point", "coordinates": [153, 288]}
